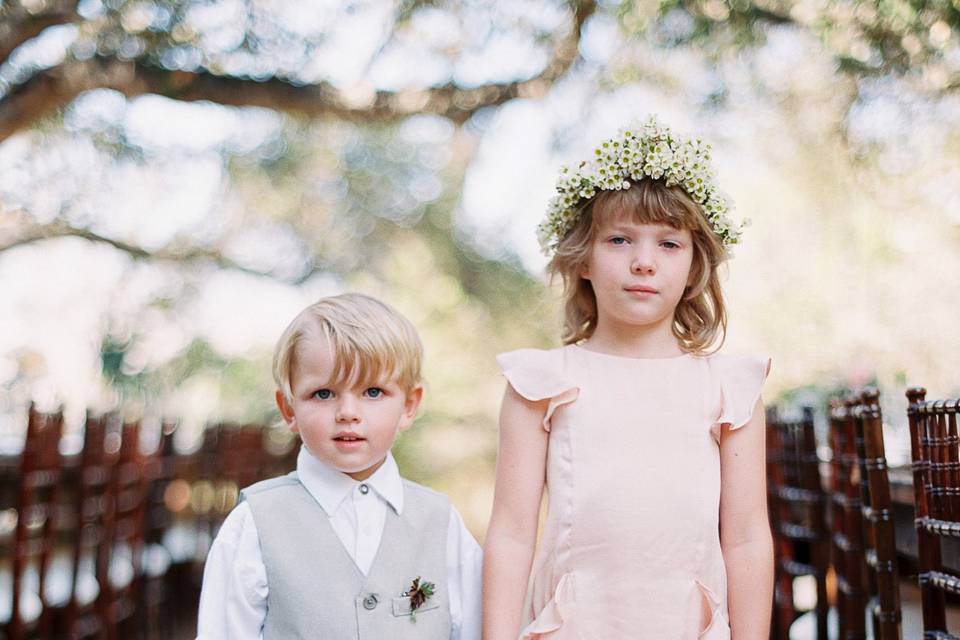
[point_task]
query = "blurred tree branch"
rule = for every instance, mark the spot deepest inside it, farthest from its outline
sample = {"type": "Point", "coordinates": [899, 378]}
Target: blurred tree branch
{"type": "Point", "coordinates": [50, 89]}
{"type": "Point", "coordinates": [18, 25]}
{"type": "Point", "coordinates": [174, 253]}
{"type": "Point", "coordinates": [866, 37]}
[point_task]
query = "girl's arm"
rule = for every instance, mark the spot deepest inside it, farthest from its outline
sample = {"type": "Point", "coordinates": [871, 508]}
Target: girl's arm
{"type": "Point", "coordinates": [511, 536]}
{"type": "Point", "coordinates": [744, 529]}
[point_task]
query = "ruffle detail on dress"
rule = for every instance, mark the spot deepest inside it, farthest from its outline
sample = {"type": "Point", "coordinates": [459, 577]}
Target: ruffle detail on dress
{"type": "Point", "coordinates": [533, 373]}
{"type": "Point", "coordinates": [716, 628]}
{"type": "Point", "coordinates": [551, 617]}
{"type": "Point", "coordinates": [741, 379]}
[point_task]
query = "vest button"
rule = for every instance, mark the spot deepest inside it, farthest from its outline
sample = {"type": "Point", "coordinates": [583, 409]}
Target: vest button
{"type": "Point", "coordinates": [370, 602]}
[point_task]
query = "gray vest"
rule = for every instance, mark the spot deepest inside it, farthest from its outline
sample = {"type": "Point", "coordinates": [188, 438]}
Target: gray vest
{"type": "Point", "coordinates": [315, 588]}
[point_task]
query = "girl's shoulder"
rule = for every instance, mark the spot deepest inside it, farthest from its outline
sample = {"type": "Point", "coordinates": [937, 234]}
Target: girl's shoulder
{"type": "Point", "coordinates": [528, 358]}
{"type": "Point", "coordinates": [724, 363]}
{"type": "Point", "coordinates": [536, 373]}
{"type": "Point", "coordinates": [741, 379]}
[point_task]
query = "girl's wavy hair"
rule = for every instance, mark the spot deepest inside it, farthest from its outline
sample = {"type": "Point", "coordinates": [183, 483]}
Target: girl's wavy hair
{"type": "Point", "coordinates": [700, 318]}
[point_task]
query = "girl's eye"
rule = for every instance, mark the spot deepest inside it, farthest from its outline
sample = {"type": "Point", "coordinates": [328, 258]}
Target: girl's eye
{"type": "Point", "coordinates": [374, 392]}
{"type": "Point", "coordinates": [670, 244]}
{"type": "Point", "coordinates": [323, 394]}
{"type": "Point", "coordinates": [617, 240]}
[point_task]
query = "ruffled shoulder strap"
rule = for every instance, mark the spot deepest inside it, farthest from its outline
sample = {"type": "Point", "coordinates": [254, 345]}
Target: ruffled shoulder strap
{"type": "Point", "coordinates": [741, 378]}
{"type": "Point", "coordinates": [537, 374]}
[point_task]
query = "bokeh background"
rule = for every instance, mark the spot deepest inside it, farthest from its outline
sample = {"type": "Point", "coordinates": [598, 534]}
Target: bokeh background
{"type": "Point", "coordinates": [178, 179]}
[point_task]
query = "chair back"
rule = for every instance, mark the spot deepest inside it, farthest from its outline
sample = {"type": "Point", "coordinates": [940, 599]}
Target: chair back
{"type": "Point", "coordinates": [40, 469]}
{"type": "Point", "coordinates": [798, 502]}
{"type": "Point", "coordinates": [155, 592]}
{"type": "Point", "coordinates": [125, 534]}
{"type": "Point", "coordinates": [90, 548]}
{"type": "Point", "coordinates": [936, 483]}
{"type": "Point", "coordinates": [846, 521]}
{"type": "Point", "coordinates": [880, 552]}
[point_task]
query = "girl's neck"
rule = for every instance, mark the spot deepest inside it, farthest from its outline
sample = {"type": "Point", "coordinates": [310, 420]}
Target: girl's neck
{"type": "Point", "coordinates": [631, 341]}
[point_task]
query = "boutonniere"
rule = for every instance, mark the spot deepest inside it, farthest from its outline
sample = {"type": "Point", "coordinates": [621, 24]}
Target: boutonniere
{"type": "Point", "coordinates": [419, 593]}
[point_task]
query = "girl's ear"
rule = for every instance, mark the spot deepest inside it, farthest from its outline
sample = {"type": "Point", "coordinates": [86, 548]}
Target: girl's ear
{"type": "Point", "coordinates": [286, 411]}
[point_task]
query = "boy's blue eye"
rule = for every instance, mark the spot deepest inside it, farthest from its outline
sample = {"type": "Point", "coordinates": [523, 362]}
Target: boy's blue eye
{"type": "Point", "coordinates": [323, 394]}
{"type": "Point", "coordinates": [374, 392]}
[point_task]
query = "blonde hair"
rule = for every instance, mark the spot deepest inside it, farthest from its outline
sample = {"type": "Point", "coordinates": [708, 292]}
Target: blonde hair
{"type": "Point", "coordinates": [700, 318]}
{"type": "Point", "coordinates": [370, 341]}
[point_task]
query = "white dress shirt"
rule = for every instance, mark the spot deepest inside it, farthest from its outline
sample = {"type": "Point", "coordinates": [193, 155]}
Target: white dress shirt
{"type": "Point", "coordinates": [233, 601]}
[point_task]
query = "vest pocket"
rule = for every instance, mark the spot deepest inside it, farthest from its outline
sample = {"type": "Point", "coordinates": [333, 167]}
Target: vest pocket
{"type": "Point", "coordinates": [401, 606]}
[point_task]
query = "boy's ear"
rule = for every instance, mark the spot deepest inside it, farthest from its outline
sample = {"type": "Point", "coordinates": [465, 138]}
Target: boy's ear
{"type": "Point", "coordinates": [286, 411]}
{"type": "Point", "coordinates": [410, 406]}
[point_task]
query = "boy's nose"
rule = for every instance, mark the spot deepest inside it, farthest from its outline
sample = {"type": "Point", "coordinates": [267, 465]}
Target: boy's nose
{"type": "Point", "coordinates": [347, 411]}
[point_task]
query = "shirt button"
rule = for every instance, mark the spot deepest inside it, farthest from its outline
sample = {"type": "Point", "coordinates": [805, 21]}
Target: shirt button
{"type": "Point", "coordinates": [370, 602]}
{"type": "Point", "coordinates": [364, 489]}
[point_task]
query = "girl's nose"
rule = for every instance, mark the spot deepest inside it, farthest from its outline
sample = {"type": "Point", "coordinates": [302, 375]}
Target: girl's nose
{"type": "Point", "coordinates": [643, 262]}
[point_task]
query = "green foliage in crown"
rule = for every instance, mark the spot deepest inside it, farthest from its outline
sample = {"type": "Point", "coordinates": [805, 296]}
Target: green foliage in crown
{"type": "Point", "coordinates": [648, 151]}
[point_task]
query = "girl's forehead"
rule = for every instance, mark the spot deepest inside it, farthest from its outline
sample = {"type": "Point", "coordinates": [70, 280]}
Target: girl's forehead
{"type": "Point", "coordinates": [619, 215]}
{"type": "Point", "coordinates": [625, 222]}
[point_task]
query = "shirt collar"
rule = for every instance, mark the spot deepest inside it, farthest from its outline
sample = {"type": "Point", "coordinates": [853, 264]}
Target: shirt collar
{"type": "Point", "coordinates": [330, 487]}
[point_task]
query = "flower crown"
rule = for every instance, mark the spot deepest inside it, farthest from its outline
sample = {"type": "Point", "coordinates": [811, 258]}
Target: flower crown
{"type": "Point", "coordinates": [650, 150]}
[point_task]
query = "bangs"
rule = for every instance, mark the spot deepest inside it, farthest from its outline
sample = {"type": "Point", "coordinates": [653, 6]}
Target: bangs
{"type": "Point", "coordinates": [363, 359]}
{"type": "Point", "coordinates": [366, 352]}
{"type": "Point", "coordinates": [647, 202]}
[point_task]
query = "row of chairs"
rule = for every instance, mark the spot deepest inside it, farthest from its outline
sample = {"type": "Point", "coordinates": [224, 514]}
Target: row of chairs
{"type": "Point", "coordinates": [847, 529]}
{"type": "Point", "coordinates": [110, 543]}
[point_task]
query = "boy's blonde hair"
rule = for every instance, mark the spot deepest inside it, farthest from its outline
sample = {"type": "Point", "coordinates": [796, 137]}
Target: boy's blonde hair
{"type": "Point", "coordinates": [370, 340]}
{"type": "Point", "coordinates": [701, 317]}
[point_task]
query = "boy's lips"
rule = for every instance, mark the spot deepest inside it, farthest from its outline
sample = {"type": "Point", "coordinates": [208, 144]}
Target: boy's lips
{"type": "Point", "coordinates": [348, 440]}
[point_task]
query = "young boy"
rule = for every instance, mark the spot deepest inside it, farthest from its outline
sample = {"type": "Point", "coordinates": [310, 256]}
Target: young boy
{"type": "Point", "coordinates": [344, 547]}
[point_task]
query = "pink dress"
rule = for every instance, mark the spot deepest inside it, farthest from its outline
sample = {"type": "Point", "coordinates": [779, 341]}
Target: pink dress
{"type": "Point", "coordinates": [631, 546]}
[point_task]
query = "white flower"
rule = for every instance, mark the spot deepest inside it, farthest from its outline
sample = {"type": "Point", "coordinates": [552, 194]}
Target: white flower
{"type": "Point", "coordinates": [649, 150]}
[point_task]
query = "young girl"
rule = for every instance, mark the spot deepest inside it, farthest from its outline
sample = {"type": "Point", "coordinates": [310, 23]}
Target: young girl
{"type": "Point", "coordinates": [651, 446]}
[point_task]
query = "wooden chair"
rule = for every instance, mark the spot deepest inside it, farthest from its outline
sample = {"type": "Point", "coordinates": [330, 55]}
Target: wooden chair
{"type": "Point", "coordinates": [119, 585]}
{"type": "Point", "coordinates": [90, 549]}
{"type": "Point", "coordinates": [155, 593]}
{"type": "Point", "coordinates": [34, 533]}
{"type": "Point", "coordinates": [846, 521]}
{"type": "Point", "coordinates": [797, 504]}
{"type": "Point", "coordinates": [880, 551]}
{"type": "Point", "coordinates": [936, 481]}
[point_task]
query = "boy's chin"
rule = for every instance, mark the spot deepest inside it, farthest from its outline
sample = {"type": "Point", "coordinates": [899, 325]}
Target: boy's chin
{"type": "Point", "coordinates": [361, 472]}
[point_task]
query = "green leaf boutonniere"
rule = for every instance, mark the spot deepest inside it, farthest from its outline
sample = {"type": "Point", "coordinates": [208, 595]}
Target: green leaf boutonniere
{"type": "Point", "coordinates": [419, 593]}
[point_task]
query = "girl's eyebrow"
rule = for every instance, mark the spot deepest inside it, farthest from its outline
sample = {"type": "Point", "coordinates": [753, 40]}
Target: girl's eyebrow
{"type": "Point", "coordinates": [628, 227]}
